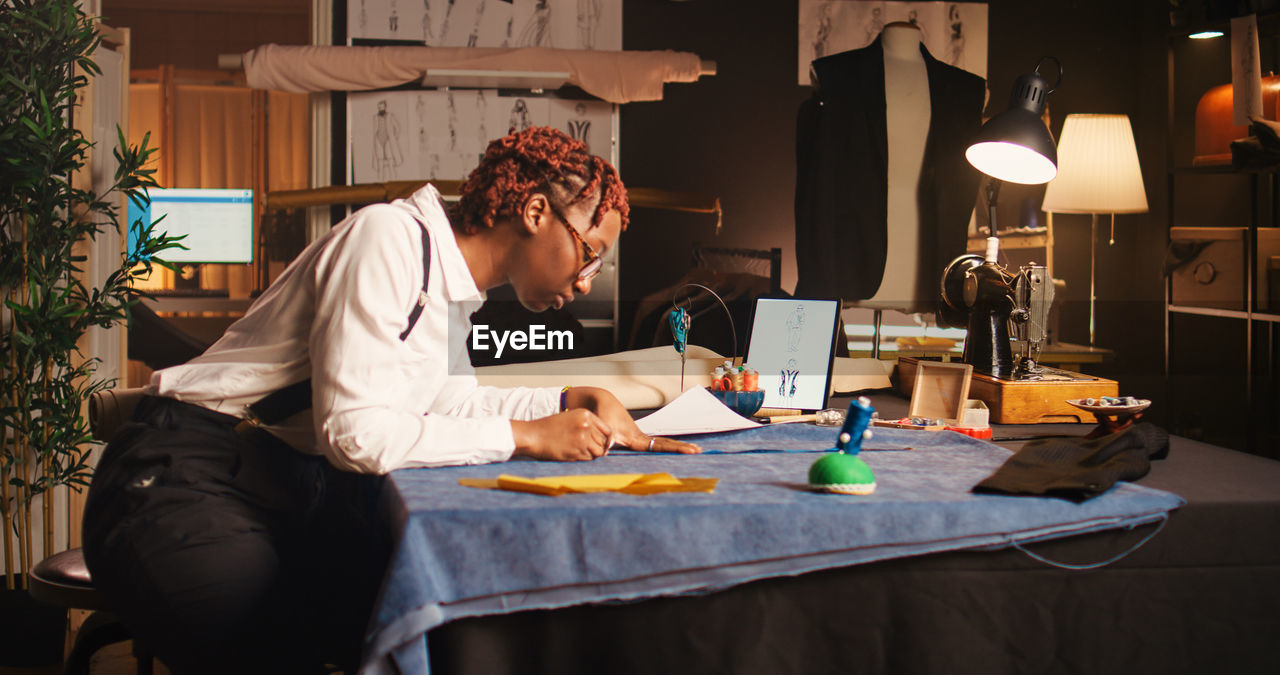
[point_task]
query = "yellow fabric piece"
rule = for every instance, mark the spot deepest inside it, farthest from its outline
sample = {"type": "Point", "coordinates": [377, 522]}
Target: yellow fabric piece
{"type": "Point", "coordinates": [627, 483]}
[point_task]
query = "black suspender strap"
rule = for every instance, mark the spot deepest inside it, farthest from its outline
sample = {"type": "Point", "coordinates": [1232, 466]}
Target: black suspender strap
{"type": "Point", "coordinates": [426, 277]}
{"type": "Point", "coordinates": [281, 404]}
{"type": "Point", "coordinates": [286, 402]}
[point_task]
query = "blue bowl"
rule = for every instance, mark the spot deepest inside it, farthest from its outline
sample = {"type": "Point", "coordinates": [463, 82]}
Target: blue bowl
{"type": "Point", "coordinates": [745, 403]}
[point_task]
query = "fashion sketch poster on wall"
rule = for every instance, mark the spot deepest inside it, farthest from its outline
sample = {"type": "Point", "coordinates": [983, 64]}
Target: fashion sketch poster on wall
{"type": "Point", "coordinates": [564, 24]}
{"type": "Point", "coordinates": [953, 32]}
{"type": "Point", "coordinates": [420, 135]}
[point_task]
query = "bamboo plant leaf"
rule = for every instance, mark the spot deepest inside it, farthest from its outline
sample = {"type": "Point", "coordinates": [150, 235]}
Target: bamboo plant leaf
{"type": "Point", "coordinates": [46, 57]}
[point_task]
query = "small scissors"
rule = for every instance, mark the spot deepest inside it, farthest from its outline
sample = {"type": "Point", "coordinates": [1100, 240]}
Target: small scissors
{"type": "Point", "coordinates": [680, 321]}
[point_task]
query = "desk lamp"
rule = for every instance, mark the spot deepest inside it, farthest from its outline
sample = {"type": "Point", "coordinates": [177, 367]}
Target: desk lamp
{"type": "Point", "coordinates": [1013, 146]}
{"type": "Point", "coordinates": [1016, 146]}
{"type": "Point", "coordinates": [1098, 173]}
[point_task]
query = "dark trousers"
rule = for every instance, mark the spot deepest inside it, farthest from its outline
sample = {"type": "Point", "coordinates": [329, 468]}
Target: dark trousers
{"type": "Point", "coordinates": [229, 554]}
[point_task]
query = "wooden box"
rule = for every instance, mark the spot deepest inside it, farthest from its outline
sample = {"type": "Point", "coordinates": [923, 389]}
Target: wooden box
{"type": "Point", "coordinates": [1216, 276]}
{"type": "Point", "coordinates": [938, 392]}
{"type": "Point", "coordinates": [1025, 401]}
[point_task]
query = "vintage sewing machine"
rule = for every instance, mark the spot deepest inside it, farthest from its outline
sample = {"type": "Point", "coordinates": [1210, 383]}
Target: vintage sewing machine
{"type": "Point", "coordinates": [998, 306]}
{"type": "Point", "coordinates": [1004, 310]}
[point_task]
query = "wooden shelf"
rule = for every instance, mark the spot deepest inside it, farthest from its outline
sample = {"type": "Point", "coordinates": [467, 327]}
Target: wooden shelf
{"type": "Point", "coordinates": [1058, 353]}
{"type": "Point", "coordinates": [1225, 313]}
{"type": "Point", "coordinates": [1220, 169]}
{"type": "Point", "coordinates": [1258, 211]}
{"type": "Point", "coordinates": [1012, 241]}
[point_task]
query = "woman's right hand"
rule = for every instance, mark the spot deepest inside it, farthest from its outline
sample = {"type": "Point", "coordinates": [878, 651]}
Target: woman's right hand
{"type": "Point", "coordinates": [570, 436]}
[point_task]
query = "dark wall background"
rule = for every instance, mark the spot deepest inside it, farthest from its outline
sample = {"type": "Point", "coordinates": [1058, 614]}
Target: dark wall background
{"type": "Point", "coordinates": [732, 135]}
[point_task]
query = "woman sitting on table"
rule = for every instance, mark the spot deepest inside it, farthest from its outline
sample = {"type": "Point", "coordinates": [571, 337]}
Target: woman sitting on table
{"type": "Point", "coordinates": [238, 542]}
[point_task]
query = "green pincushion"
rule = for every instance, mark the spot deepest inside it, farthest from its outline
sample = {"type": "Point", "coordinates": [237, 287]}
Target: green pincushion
{"type": "Point", "coordinates": [842, 473]}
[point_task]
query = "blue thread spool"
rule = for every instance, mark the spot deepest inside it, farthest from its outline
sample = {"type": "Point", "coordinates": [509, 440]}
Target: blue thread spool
{"type": "Point", "coordinates": [842, 471]}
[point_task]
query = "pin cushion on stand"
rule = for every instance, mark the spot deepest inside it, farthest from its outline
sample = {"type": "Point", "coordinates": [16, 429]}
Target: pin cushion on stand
{"type": "Point", "coordinates": [842, 471]}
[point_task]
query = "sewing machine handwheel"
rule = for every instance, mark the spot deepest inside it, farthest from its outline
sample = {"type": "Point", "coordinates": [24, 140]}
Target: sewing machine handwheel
{"type": "Point", "coordinates": [954, 311]}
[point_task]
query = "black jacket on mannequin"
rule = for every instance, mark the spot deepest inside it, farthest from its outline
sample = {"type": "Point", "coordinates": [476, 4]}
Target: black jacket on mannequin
{"type": "Point", "coordinates": [842, 160]}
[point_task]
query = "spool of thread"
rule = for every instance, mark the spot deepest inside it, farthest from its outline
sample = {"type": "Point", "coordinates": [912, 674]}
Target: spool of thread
{"type": "Point", "coordinates": [737, 379]}
{"type": "Point", "coordinates": [750, 379]}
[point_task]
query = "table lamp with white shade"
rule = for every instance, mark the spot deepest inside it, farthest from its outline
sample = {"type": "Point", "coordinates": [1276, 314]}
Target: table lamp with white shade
{"type": "Point", "coordinates": [1098, 172]}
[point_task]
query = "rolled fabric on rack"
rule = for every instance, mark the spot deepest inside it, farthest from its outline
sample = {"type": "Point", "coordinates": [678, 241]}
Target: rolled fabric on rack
{"type": "Point", "coordinates": [614, 76]}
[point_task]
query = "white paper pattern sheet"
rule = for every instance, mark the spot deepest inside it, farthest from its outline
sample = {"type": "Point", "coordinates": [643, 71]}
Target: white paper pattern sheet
{"type": "Point", "coordinates": [565, 24]}
{"type": "Point", "coordinates": [413, 135]}
{"type": "Point", "coordinates": [953, 32]}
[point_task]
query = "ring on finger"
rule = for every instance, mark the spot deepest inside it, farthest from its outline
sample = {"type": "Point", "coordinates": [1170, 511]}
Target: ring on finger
{"type": "Point", "coordinates": [651, 441]}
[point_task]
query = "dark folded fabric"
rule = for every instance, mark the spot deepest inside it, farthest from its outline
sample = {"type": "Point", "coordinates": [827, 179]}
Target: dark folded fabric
{"type": "Point", "coordinates": [1260, 150]}
{"type": "Point", "coordinates": [1250, 154]}
{"type": "Point", "coordinates": [1267, 132]}
{"type": "Point", "coordinates": [1078, 468]}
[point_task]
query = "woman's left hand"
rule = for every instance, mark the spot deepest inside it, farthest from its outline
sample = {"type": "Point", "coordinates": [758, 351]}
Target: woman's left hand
{"type": "Point", "coordinates": [626, 434]}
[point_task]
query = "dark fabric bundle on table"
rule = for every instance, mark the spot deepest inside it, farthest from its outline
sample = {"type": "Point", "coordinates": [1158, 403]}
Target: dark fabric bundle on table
{"type": "Point", "coordinates": [1079, 468]}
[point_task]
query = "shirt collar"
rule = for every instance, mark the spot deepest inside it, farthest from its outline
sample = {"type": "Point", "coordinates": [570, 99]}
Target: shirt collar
{"type": "Point", "coordinates": [458, 284]}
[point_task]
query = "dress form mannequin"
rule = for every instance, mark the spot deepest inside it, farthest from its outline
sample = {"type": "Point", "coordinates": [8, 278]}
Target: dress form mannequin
{"type": "Point", "coordinates": [881, 143]}
{"type": "Point", "coordinates": [906, 89]}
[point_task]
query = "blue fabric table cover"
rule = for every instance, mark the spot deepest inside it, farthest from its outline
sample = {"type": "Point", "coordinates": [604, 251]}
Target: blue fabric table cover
{"type": "Point", "coordinates": [468, 552]}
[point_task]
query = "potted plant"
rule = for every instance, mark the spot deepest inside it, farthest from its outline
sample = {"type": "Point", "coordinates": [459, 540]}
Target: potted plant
{"type": "Point", "coordinates": [48, 306]}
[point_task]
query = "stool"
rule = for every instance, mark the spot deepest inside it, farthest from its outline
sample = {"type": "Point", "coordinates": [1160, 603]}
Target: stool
{"type": "Point", "coordinates": [63, 579]}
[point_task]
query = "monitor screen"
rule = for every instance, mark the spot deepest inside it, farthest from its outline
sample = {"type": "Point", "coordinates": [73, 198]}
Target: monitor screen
{"type": "Point", "coordinates": [218, 223]}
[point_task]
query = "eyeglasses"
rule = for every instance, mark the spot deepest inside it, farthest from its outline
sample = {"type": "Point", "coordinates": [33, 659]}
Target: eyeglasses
{"type": "Point", "coordinates": [591, 260]}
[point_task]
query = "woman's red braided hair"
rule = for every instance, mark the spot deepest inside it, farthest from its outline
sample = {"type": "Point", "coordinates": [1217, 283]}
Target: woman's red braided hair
{"type": "Point", "coordinates": [522, 163]}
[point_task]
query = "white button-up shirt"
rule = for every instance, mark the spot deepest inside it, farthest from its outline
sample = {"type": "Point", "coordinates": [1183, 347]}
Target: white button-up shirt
{"type": "Point", "coordinates": [335, 316]}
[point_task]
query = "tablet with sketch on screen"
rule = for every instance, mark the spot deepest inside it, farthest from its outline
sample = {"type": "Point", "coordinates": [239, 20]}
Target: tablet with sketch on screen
{"type": "Point", "coordinates": [792, 345]}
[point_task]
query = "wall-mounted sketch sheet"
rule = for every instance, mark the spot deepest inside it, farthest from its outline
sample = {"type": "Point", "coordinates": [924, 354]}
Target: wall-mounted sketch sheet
{"type": "Point", "coordinates": [953, 32]}
{"type": "Point", "coordinates": [586, 121]}
{"type": "Point", "coordinates": [565, 24]}
{"type": "Point", "coordinates": [420, 135]}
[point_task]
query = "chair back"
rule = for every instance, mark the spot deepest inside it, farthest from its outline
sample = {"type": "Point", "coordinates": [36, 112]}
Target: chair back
{"type": "Point", "coordinates": [110, 409]}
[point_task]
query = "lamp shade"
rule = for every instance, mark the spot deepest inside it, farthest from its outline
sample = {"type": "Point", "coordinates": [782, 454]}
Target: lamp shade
{"type": "Point", "coordinates": [1098, 170]}
{"type": "Point", "coordinates": [1015, 146]}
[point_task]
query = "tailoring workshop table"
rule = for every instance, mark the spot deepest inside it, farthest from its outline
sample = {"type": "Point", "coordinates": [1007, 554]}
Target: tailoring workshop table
{"type": "Point", "coordinates": [734, 581]}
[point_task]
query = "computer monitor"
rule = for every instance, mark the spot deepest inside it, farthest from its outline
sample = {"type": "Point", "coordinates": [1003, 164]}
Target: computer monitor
{"type": "Point", "coordinates": [218, 223]}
